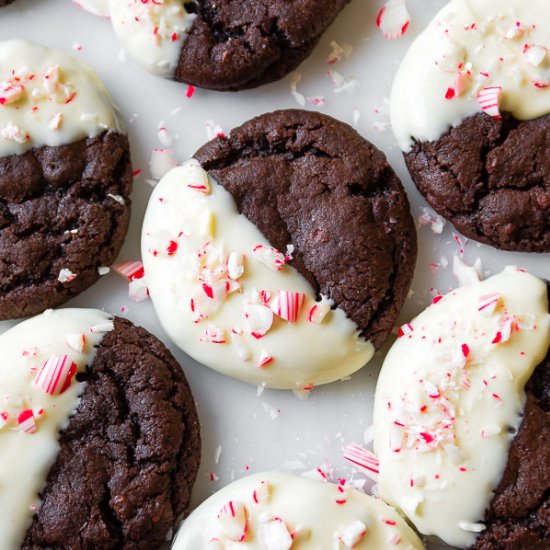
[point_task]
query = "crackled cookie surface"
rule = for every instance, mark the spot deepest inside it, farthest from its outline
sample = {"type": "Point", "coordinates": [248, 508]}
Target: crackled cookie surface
{"type": "Point", "coordinates": [227, 45]}
{"type": "Point", "coordinates": [65, 178]}
{"type": "Point", "coordinates": [464, 377]}
{"type": "Point", "coordinates": [283, 512]}
{"type": "Point", "coordinates": [469, 107]}
{"type": "Point", "coordinates": [250, 258]}
{"type": "Point", "coordinates": [73, 474]}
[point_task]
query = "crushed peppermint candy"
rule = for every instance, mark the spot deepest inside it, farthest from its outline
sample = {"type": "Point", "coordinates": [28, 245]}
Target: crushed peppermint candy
{"type": "Point", "coordinates": [233, 520]}
{"type": "Point", "coordinates": [56, 374]}
{"type": "Point", "coordinates": [66, 275]}
{"type": "Point", "coordinates": [489, 99]}
{"type": "Point", "coordinates": [287, 305]}
{"type": "Point", "coordinates": [393, 19]}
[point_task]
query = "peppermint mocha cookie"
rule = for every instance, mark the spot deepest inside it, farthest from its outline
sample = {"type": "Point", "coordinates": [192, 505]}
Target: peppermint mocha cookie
{"type": "Point", "coordinates": [281, 511]}
{"type": "Point", "coordinates": [462, 416]}
{"type": "Point", "coordinates": [470, 107]}
{"type": "Point", "coordinates": [285, 258]}
{"type": "Point", "coordinates": [65, 178]}
{"type": "Point", "coordinates": [99, 437]}
{"type": "Point", "coordinates": [222, 45]}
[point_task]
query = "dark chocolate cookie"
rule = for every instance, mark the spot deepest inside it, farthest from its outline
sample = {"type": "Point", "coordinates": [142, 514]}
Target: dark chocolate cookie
{"type": "Point", "coordinates": [491, 178]}
{"type": "Point", "coordinates": [233, 45]}
{"type": "Point", "coordinates": [64, 212]}
{"type": "Point", "coordinates": [309, 180]}
{"type": "Point", "coordinates": [518, 517]}
{"type": "Point", "coordinates": [130, 454]}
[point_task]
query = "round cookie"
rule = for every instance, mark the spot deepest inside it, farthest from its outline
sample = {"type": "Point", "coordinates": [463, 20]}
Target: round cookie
{"type": "Point", "coordinates": [65, 179]}
{"type": "Point", "coordinates": [462, 416]}
{"type": "Point", "coordinates": [100, 436]}
{"type": "Point", "coordinates": [282, 511]}
{"type": "Point", "coordinates": [475, 127]}
{"type": "Point", "coordinates": [227, 45]}
{"type": "Point", "coordinates": [294, 229]}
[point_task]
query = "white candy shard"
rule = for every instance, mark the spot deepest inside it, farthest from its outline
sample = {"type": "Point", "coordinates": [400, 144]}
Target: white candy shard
{"type": "Point", "coordinates": [233, 519]}
{"type": "Point", "coordinates": [274, 535]}
{"type": "Point", "coordinates": [259, 319]}
{"type": "Point", "coordinates": [393, 19]}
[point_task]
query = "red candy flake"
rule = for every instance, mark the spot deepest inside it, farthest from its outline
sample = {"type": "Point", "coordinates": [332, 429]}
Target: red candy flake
{"type": "Point", "coordinates": [262, 493]}
{"type": "Point", "coordinates": [489, 99]}
{"type": "Point", "coordinates": [393, 19]}
{"type": "Point", "coordinates": [130, 270]}
{"type": "Point", "coordinates": [270, 257]}
{"type": "Point", "coordinates": [190, 91]}
{"type": "Point", "coordinates": [363, 460]}
{"type": "Point", "coordinates": [136, 173]}
{"type": "Point", "coordinates": [488, 303]}
{"type": "Point", "coordinates": [233, 520]}
{"type": "Point", "coordinates": [9, 93]}
{"type": "Point", "coordinates": [56, 374]}
{"type": "Point", "coordinates": [465, 350]}
{"type": "Point", "coordinates": [287, 305]}
{"type": "Point", "coordinates": [405, 330]}
{"type": "Point", "coordinates": [4, 417]}
{"type": "Point", "coordinates": [437, 299]}
{"type": "Point", "coordinates": [172, 248]}
{"type": "Point", "coordinates": [214, 335]}
{"type": "Point", "coordinates": [26, 421]}
{"type": "Point", "coordinates": [264, 360]}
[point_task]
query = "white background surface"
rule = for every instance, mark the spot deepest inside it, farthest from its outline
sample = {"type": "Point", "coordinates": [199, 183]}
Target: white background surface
{"type": "Point", "coordinates": [304, 434]}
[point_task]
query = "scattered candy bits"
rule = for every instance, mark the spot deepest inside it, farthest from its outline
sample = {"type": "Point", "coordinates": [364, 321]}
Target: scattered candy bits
{"type": "Point", "coordinates": [393, 19]}
{"type": "Point", "coordinates": [56, 374]}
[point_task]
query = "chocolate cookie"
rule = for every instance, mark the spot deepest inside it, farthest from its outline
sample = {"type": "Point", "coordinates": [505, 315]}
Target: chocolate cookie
{"type": "Point", "coordinates": [491, 178]}
{"type": "Point", "coordinates": [65, 179]}
{"type": "Point", "coordinates": [308, 180]}
{"type": "Point", "coordinates": [223, 45]}
{"type": "Point", "coordinates": [130, 453]}
{"type": "Point", "coordinates": [475, 134]}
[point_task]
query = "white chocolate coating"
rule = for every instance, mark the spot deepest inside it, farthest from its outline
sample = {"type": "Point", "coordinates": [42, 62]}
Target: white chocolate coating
{"type": "Point", "coordinates": [48, 98]}
{"type": "Point", "coordinates": [303, 354]}
{"type": "Point", "coordinates": [26, 458]}
{"type": "Point", "coordinates": [487, 39]}
{"type": "Point", "coordinates": [450, 397]}
{"type": "Point", "coordinates": [152, 31]}
{"type": "Point", "coordinates": [306, 509]}
{"type": "Point", "coordinates": [97, 7]}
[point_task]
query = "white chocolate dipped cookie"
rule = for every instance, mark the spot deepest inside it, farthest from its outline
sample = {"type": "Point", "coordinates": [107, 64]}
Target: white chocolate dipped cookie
{"type": "Point", "coordinates": [65, 178]}
{"type": "Point", "coordinates": [39, 361]}
{"type": "Point", "coordinates": [489, 56]}
{"type": "Point", "coordinates": [230, 300]}
{"type": "Point", "coordinates": [275, 511]}
{"type": "Point", "coordinates": [449, 402]}
{"type": "Point", "coordinates": [470, 107]}
{"type": "Point", "coordinates": [152, 32]}
{"type": "Point", "coordinates": [49, 98]}
{"type": "Point", "coordinates": [97, 421]}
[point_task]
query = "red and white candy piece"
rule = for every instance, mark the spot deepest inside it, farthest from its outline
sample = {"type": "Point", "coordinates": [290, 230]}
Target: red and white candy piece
{"type": "Point", "coordinates": [56, 374]}
{"type": "Point", "coordinates": [138, 290]}
{"type": "Point", "coordinates": [274, 535]}
{"type": "Point", "coordinates": [269, 256]}
{"type": "Point", "coordinates": [66, 275]}
{"type": "Point", "coordinates": [318, 311]}
{"type": "Point", "coordinates": [262, 493]}
{"type": "Point", "coordinates": [51, 78]}
{"type": "Point", "coordinates": [353, 533]}
{"type": "Point", "coordinates": [287, 305]}
{"type": "Point", "coordinates": [489, 99]}
{"type": "Point", "coordinates": [259, 319]}
{"type": "Point", "coordinates": [364, 460]}
{"type": "Point", "coordinates": [198, 180]}
{"type": "Point", "coordinates": [9, 93]}
{"type": "Point", "coordinates": [534, 55]}
{"type": "Point", "coordinates": [393, 19]}
{"type": "Point", "coordinates": [405, 330]}
{"type": "Point", "coordinates": [235, 265]}
{"type": "Point", "coordinates": [4, 418]}
{"type": "Point", "coordinates": [130, 270]}
{"type": "Point", "coordinates": [233, 520]}
{"type": "Point", "coordinates": [214, 335]}
{"type": "Point", "coordinates": [76, 341]}
{"type": "Point", "coordinates": [461, 83]}
{"type": "Point", "coordinates": [26, 421]}
{"type": "Point", "coordinates": [488, 303]}
{"type": "Point", "coordinates": [265, 359]}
